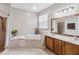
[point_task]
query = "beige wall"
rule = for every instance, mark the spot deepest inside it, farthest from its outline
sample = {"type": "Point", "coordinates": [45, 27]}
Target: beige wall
{"type": "Point", "coordinates": [24, 21]}
{"type": "Point", "coordinates": [4, 9]}
{"type": "Point", "coordinates": [52, 13]}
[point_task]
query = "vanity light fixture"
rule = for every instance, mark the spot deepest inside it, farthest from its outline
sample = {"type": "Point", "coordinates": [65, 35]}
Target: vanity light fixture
{"type": "Point", "coordinates": [65, 10]}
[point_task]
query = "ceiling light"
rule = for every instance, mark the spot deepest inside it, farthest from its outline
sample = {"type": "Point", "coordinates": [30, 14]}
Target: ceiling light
{"type": "Point", "coordinates": [34, 7]}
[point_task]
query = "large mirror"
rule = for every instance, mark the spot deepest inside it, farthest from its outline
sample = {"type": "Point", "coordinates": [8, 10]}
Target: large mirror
{"type": "Point", "coordinates": [68, 25]}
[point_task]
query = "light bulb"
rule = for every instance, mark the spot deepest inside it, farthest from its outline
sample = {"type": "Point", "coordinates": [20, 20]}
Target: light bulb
{"type": "Point", "coordinates": [64, 10]}
{"type": "Point", "coordinates": [70, 9]}
{"type": "Point", "coordinates": [34, 7]}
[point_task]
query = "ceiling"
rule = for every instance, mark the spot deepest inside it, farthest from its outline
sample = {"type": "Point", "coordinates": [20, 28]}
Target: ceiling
{"type": "Point", "coordinates": [34, 7]}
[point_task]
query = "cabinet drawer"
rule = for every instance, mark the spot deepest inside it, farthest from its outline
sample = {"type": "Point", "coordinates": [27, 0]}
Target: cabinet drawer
{"type": "Point", "coordinates": [57, 46]}
{"type": "Point", "coordinates": [57, 43]}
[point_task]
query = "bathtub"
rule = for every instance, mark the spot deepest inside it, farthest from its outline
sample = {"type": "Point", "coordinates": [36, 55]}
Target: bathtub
{"type": "Point", "coordinates": [26, 41]}
{"type": "Point", "coordinates": [29, 36]}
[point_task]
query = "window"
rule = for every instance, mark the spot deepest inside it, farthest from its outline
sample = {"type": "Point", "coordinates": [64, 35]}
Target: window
{"type": "Point", "coordinates": [43, 21]}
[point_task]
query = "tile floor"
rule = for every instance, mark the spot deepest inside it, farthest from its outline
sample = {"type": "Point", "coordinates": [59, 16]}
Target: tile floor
{"type": "Point", "coordinates": [49, 52]}
{"type": "Point", "coordinates": [26, 51]}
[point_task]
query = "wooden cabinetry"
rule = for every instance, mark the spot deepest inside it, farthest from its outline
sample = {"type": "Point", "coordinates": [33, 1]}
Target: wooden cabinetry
{"type": "Point", "coordinates": [2, 33]}
{"type": "Point", "coordinates": [61, 47]}
{"type": "Point", "coordinates": [49, 42]}
{"type": "Point", "coordinates": [71, 49]}
{"type": "Point", "coordinates": [57, 46]}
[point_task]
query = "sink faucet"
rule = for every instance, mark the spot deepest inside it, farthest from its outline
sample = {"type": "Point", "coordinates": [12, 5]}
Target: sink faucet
{"type": "Point", "coordinates": [75, 37]}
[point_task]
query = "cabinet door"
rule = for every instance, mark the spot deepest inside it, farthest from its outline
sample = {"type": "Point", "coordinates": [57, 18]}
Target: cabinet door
{"type": "Point", "coordinates": [57, 46]}
{"type": "Point", "coordinates": [49, 42]}
{"type": "Point", "coordinates": [71, 49]}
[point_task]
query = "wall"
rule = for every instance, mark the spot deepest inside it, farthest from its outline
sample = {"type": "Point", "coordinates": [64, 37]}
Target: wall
{"type": "Point", "coordinates": [71, 20]}
{"type": "Point", "coordinates": [24, 21]}
{"type": "Point", "coordinates": [58, 6]}
{"type": "Point", "coordinates": [4, 11]}
{"type": "Point", "coordinates": [52, 12]}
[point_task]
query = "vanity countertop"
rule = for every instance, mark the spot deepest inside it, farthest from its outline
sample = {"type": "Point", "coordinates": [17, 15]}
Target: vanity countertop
{"type": "Point", "coordinates": [69, 39]}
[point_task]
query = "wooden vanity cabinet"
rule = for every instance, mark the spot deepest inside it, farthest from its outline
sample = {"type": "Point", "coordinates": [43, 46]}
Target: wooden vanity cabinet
{"type": "Point", "coordinates": [57, 46]}
{"type": "Point", "coordinates": [70, 49]}
{"type": "Point", "coordinates": [61, 47]}
{"type": "Point", "coordinates": [49, 42]}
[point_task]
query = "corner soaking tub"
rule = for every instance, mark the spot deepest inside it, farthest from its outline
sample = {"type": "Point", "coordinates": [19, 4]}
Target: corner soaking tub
{"type": "Point", "coordinates": [26, 41]}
